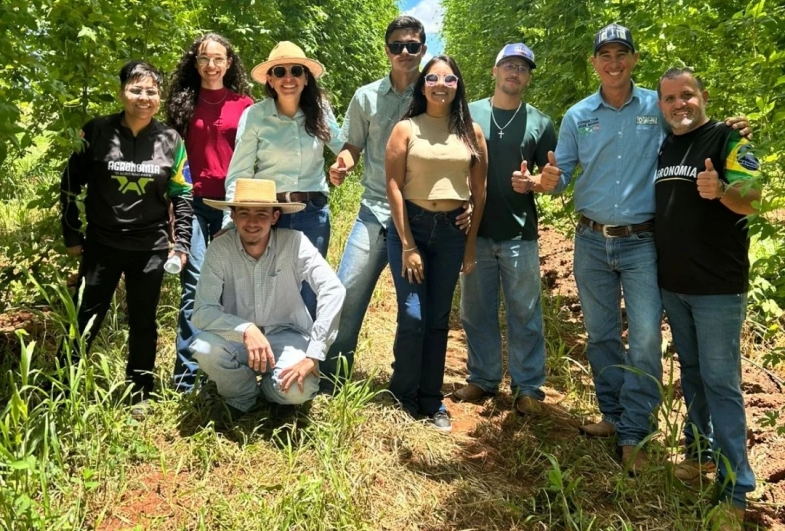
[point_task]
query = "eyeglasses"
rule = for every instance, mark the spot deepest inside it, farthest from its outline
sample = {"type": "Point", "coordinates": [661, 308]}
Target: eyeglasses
{"type": "Point", "coordinates": [280, 71]}
{"type": "Point", "coordinates": [450, 80]}
{"type": "Point", "coordinates": [204, 60]}
{"type": "Point", "coordinates": [136, 92]}
{"type": "Point", "coordinates": [396, 48]}
{"type": "Point", "coordinates": [515, 67]}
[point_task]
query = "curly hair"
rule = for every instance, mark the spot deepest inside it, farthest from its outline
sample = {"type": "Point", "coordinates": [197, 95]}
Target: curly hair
{"type": "Point", "coordinates": [461, 122]}
{"type": "Point", "coordinates": [185, 84]}
{"type": "Point", "coordinates": [312, 102]}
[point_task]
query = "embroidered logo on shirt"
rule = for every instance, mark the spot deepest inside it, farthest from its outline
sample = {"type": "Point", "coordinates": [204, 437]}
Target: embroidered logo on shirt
{"type": "Point", "coordinates": [647, 119]}
{"type": "Point", "coordinates": [588, 126]}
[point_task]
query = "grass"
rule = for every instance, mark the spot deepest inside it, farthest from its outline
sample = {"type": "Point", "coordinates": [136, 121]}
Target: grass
{"type": "Point", "coordinates": [72, 458]}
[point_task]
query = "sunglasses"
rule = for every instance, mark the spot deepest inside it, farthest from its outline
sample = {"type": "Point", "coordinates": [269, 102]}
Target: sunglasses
{"type": "Point", "coordinates": [513, 67]}
{"type": "Point", "coordinates": [396, 48]}
{"type": "Point", "coordinates": [450, 80]}
{"type": "Point", "coordinates": [280, 71]}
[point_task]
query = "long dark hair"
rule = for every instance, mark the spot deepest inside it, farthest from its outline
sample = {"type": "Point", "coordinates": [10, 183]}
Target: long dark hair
{"type": "Point", "coordinates": [461, 122]}
{"type": "Point", "coordinates": [312, 102]}
{"type": "Point", "coordinates": [185, 84]}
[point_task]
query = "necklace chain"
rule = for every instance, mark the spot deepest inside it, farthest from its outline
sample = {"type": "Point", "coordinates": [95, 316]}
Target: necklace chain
{"type": "Point", "coordinates": [500, 128]}
{"type": "Point", "coordinates": [208, 102]}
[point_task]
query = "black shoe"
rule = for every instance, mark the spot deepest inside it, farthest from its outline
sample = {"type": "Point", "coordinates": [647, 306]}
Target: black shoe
{"type": "Point", "coordinates": [441, 421]}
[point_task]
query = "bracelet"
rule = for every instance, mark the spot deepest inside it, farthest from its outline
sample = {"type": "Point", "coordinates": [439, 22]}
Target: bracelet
{"type": "Point", "coordinates": [724, 186]}
{"type": "Point", "coordinates": [410, 250]}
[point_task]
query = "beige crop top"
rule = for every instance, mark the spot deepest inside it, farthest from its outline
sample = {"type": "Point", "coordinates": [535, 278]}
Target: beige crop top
{"type": "Point", "coordinates": [437, 164]}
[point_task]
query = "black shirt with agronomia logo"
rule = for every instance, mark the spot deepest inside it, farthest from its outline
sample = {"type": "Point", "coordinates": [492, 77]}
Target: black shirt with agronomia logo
{"type": "Point", "coordinates": [702, 245]}
{"type": "Point", "coordinates": [130, 183]}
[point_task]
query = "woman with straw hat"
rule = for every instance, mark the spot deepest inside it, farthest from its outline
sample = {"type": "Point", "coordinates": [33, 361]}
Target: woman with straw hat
{"type": "Point", "coordinates": [282, 138]}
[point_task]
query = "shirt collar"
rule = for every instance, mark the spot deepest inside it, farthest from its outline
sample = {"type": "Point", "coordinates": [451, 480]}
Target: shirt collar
{"type": "Point", "coordinates": [269, 109]}
{"type": "Point", "coordinates": [597, 101]}
{"type": "Point", "coordinates": [270, 250]}
{"type": "Point", "coordinates": [386, 86]}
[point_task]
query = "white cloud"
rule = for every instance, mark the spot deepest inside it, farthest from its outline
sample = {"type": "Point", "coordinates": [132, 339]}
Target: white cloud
{"type": "Point", "coordinates": [431, 14]}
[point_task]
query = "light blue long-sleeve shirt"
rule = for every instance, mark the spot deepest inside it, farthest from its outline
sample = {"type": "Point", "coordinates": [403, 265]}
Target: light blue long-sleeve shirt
{"type": "Point", "coordinates": [617, 151]}
{"type": "Point", "coordinates": [273, 146]}
{"type": "Point", "coordinates": [373, 112]}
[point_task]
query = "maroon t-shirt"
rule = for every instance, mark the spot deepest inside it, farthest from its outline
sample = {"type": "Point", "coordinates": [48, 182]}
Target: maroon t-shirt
{"type": "Point", "coordinates": [211, 136]}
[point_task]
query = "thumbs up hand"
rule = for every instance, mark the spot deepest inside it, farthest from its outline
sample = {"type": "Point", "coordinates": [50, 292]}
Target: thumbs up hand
{"type": "Point", "coordinates": [708, 181]}
{"type": "Point", "coordinates": [549, 178]}
{"type": "Point", "coordinates": [521, 180]}
{"type": "Point", "coordinates": [338, 171]}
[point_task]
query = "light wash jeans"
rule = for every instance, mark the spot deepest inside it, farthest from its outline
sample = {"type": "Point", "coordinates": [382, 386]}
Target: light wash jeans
{"type": "Point", "coordinates": [605, 270]}
{"type": "Point", "coordinates": [706, 331]}
{"type": "Point", "coordinates": [226, 363]}
{"type": "Point", "coordinates": [364, 258]}
{"type": "Point", "coordinates": [515, 265]}
{"type": "Point", "coordinates": [206, 222]}
{"type": "Point", "coordinates": [420, 344]}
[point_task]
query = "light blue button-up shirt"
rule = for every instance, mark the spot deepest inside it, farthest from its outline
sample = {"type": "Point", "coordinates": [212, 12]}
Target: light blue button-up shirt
{"type": "Point", "coordinates": [617, 151]}
{"type": "Point", "coordinates": [274, 146]}
{"type": "Point", "coordinates": [368, 124]}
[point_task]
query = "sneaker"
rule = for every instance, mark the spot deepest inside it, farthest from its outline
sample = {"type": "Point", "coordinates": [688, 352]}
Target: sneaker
{"type": "Point", "coordinates": [690, 469]}
{"type": "Point", "coordinates": [441, 421]}
{"type": "Point", "coordinates": [528, 405]}
{"type": "Point", "coordinates": [470, 393]}
{"type": "Point", "coordinates": [140, 409]}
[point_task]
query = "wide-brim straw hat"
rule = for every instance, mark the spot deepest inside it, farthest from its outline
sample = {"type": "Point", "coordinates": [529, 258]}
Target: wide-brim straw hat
{"type": "Point", "coordinates": [255, 193]}
{"type": "Point", "coordinates": [286, 52]}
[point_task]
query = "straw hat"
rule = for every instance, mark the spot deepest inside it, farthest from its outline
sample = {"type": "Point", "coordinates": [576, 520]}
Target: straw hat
{"type": "Point", "coordinates": [286, 52]}
{"type": "Point", "coordinates": [255, 193]}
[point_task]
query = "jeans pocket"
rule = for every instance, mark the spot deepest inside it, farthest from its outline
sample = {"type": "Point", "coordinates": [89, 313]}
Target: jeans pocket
{"type": "Point", "coordinates": [581, 229]}
{"type": "Point", "coordinates": [644, 236]}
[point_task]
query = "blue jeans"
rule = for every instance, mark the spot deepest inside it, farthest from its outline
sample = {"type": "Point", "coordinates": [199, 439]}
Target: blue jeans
{"type": "Point", "coordinates": [364, 258]}
{"type": "Point", "coordinates": [706, 331]}
{"type": "Point", "coordinates": [515, 264]}
{"type": "Point", "coordinates": [605, 269]}
{"type": "Point", "coordinates": [314, 222]}
{"type": "Point", "coordinates": [206, 222]}
{"type": "Point", "coordinates": [226, 363]}
{"type": "Point", "coordinates": [424, 309]}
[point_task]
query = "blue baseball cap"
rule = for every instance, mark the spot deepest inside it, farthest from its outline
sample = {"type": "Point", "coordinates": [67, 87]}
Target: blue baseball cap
{"type": "Point", "coordinates": [613, 33]}
{"type": "Point", "coordinates": [517, 49]}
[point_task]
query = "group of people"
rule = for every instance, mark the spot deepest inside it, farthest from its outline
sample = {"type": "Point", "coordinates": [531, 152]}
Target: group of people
{"type": "Point", "coordinates": [448, 188]}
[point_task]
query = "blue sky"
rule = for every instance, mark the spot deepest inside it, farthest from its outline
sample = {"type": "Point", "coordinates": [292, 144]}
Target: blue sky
{"type": "Point", "coordinates": [430, 13]}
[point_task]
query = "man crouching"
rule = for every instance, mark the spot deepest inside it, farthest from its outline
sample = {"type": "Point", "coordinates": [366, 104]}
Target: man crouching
{"type": "Point", "coordinates": [248, 304]}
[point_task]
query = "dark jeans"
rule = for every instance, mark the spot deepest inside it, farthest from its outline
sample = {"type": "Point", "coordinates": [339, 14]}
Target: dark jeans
{"type": "Point", "coordinates": [206, 222]}
{"type": "Point", "coordinates": [314, 222]}
{"type": "Point", "coordinates": [424, 309]}
{"type": "Point", "coordinates": [101, 268]}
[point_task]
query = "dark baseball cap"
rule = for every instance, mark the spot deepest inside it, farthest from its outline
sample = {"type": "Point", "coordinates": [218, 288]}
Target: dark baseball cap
{"type": "Point", "coordinates": [517, 49]}
{"type": "Point", "coordinates": [613, 33]}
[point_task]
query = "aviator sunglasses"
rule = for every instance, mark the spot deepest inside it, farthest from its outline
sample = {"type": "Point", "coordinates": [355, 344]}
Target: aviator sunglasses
{"type": "Point", "coordinates": [396, 48]}
{"type": "Point", "coordinates": [280, 71]}
{"type": "Point", "coordinates": [450, 80]}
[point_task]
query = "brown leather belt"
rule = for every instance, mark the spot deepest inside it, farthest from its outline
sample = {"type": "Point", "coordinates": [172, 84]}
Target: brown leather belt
{"type": "Point", "coordinates": [617, 231]}
{"type": "Point", "coordinates": [298, 197]}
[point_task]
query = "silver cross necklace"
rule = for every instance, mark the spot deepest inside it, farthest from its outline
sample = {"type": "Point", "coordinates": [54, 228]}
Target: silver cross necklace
{"type": "Point", "coordinates": [500, 128]}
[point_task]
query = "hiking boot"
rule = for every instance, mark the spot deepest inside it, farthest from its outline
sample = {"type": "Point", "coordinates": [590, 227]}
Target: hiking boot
{"type": "Point", "coordinates": [140, 410]}
{"type": "Point", "coordinates": [470, 393]}
{"type": "Point", "coordinates": [528, 405]}
{"type": "Point", "coordinates": [441, 421]}
{"type": "Point", "coordinates": [727, 517]}
{"type": "Point", "coordinates": [634, 459]}
{"type": "Point", "coordinates": [690, 469]}
{"type": "Point", "coordinates": [602, 428]}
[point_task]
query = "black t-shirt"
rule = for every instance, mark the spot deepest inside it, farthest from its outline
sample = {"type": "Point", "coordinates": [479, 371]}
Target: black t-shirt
{"type": "Point", "coordinates": [509, 215]}
{"type": "Point", "coordinates": [702, 246]}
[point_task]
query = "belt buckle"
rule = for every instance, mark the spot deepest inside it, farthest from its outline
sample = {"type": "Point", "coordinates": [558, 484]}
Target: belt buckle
{"type": "Point", "coordinates": [605, 231]}
{"type": "Point", "coordinates": [288, 196]}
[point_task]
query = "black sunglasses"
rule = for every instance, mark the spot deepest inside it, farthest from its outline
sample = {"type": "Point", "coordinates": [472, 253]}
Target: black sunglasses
{"type": "Point", "coordinates": [396, 48]}
{"type": "Point", "coordinates": [280, 71]}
